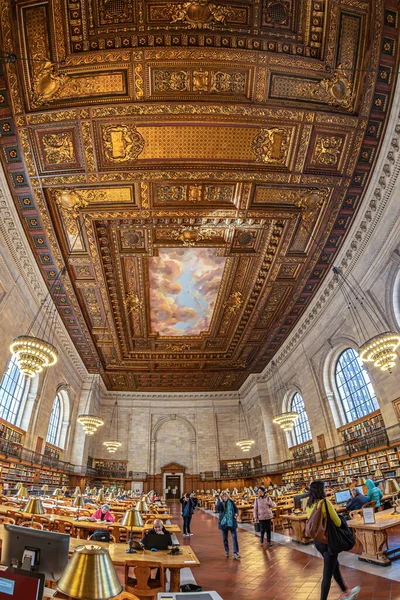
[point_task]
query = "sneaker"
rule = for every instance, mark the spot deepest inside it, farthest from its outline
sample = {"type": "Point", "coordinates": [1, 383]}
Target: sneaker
{"type": "Point", "coordinates": [190, 534]}
{"type": "Point", "coordinates": [261, 542]}
{"type": "Point", "coordinates": [185, 535]}
{"type": "Point", "coordinates": [236, 555]}
{"type": "Point", "coordinates": [270, 544]}
{"type": "Point", "coordinates": [352, 594]}
{"type": "Point", "coordinates": [227, 554]}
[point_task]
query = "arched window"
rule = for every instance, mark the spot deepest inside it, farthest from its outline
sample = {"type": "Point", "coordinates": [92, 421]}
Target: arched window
{"type": "Point", "coordinates": [301, 429]}
{"type": "Point", "coordinates": [12, 388]}
{"type": "Point", "coordinates": [53, 432]}
{"type": "Point", "coordinates": [354, 386]}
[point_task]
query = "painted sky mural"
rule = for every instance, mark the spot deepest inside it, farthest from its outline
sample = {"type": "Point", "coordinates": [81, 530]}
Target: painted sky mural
{"type": "Point", "coordinates": [184, 284]}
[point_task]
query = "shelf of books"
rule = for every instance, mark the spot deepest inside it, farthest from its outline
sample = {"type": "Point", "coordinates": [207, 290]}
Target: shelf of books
{"type": "Point", "coordinates": [52, 451]}
{"type": "Point", "coordinates": [381, 463]}
{"type": "Point", "coordinates": [302, 450]}
{"type": "Point", "coordinates": [354, 434]}
{"type": "Point", "coordinates": [111, 468]}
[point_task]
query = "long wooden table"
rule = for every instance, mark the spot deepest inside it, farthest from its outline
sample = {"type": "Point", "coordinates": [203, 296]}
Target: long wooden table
{"type": "Point", "coordinates": [298, 524]}
{"type": "Point", "coordinates": [172, 562]}
{"type": "Point", "coordinates": [374, 537]}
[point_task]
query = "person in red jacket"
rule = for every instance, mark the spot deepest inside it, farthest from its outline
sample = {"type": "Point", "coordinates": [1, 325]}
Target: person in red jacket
{"type": "Point", "coordinates": [103, 514]}
{"type": "Point", "coordinates": [263, 514]}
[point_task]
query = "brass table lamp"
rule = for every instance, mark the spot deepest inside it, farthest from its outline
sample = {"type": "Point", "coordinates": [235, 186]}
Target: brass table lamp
{"type": "Point", "coordinates": [34, 507]}
{"type": "Point", "coordinates": [45, 488]}
{"type": "Point", "coordinates": [90, 575]}
{"type": "Point", "coordinates": [77, 491]}
{"type": "Point", "coordinates": [22, 492]}
{"type": "Point", "coordinates": [391, 488]}
{"type": "Point", "coordinates": [142, 507]}
{"type": "Point", "coordinates": [57, 494]}
{"type": "Point", "coordinates": [78, 503]}
{"type": "Point", "coordinates": [100, 497]}
{"type": "Point", "coordinates": [132, 518]}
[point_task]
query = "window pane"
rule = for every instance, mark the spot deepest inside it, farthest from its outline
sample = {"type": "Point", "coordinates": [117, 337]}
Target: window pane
{"type": "Point", "coordinates": [301, 430]}
{"type": "Point", "coordinates": [354, 386]}
{"type": "Point", "coordinates": [54, 423]}
{"type": "Point", "coordinates": [12, 388]}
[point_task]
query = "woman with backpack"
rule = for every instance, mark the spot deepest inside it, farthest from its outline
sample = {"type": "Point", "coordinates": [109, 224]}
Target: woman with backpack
{"type": "Point", "coordinates": [227, 522]}
{"type": "Point", "coordinates": [263, 514]}
{"type": "Point", "coordinates": [316, 500]}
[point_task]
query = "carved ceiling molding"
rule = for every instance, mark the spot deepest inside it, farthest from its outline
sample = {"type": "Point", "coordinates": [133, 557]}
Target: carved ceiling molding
{"type": "Point", "coordinates": [376, 200]}
{"type": "Point", "coordinates": [14, 237]}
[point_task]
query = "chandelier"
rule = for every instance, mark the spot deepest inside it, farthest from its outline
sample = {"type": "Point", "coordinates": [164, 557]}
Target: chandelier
{"type": "Point", "coordinates": [284, 420]}
{"type": "Point", "coordinates": [244, 442]}
{"type": "Point", "coordinates": [89, 421]}
{"type": "Point", "coordinates": [381, 347]}
{"type": "Point", "coordinates": [112, 444]}
{"type": "Point", "coordinates": [33, 353]}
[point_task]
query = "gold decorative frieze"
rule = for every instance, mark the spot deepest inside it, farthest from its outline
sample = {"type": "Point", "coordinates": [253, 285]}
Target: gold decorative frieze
{"type": "Point", "coordinates": [271, 145]}
{"type": "Point", "coordinates": [193, 194]}
{"type": "Point", "coordinates": [59, 147]}
{"type": "Point", "coordinates": [327, 150]}
{"type": "Point", "coordinates": [224, 81]}
{"type": "Point", "coordinates": [122, 143]}
{"type": "Point", "coordinates": [199, 14]}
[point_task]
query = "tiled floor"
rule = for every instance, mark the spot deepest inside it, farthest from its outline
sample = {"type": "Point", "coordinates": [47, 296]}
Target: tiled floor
{"type": "Point", "coordinates": [280, 572]}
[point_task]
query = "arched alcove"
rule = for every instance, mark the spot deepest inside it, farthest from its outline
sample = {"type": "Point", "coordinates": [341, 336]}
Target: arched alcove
{"type": "Point", "coordinates": [173, 439]}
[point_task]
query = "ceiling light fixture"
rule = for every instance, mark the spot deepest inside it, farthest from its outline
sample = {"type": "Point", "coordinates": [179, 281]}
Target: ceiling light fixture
{"type": "Point", "coordinates": [244, 442]}
{"type": "Point", "coordinates": [88, 420]}
{"type": "Point", "coordinates": [285, 420]}
{"type": "Point", "coordinates": [381, 347]}
{"type": "Point", "coordinates": [112, 444]}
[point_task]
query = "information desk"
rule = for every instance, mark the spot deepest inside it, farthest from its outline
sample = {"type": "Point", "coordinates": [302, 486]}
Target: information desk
{"type": "Point", "coordinates": [173, 562]}
{"type": "Point", "coordinates": [373, 538]}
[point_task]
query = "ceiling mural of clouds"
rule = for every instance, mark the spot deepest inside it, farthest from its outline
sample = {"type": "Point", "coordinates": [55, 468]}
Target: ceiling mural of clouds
{"type": "Point", "coordinates": [184, 284]}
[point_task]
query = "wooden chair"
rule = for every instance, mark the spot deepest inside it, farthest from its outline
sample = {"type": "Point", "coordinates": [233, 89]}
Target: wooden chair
{"type": "Point", "coordinates": [44, 521]}
{"type": "Point", "coordinates": [31, 525]}
{"type": "Point", "coordinates": [7, 520]}
{"type": "Point", "coordinates": [85, 513]}
{"type": "Point", "coordinates": [17, 516]}
{"type": "Point", "coordinates": [120, 534]}
{"type": "Point", "coordinates": [141, 583]}
{"type": "Point", "coordinates": [149, 521]}
{"type": "Point", "coordinates": [62, 526]}
{"type": "Point", "coordinates": [278, 520]}
{"type": "Point", "coordinates": [126, 596]}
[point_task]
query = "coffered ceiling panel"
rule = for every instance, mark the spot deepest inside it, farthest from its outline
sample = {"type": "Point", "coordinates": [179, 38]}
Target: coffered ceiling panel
{"type": "Point", "coordinates": [195, 165]}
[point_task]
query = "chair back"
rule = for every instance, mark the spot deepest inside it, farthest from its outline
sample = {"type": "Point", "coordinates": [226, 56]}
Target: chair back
{"type": "Point", "coordinates": [371, 504]}
{"type": "Point", "coordinates": [64, 527]}
{"type": "Point", "coordinates": [17, 516]}
{"type": "Point", "coordinates": [120, 534]}
{"type": "Point", "coordinates": [149, 521]}
{"type": "Point", "coordinates": [32, 525]}
{"type": "Point", "coordinates": [8, 520]}
{"type": "Point", "coordinates": [44, 521]}
{"type": "Point", "coordinates": [126, 596]}
{"type": "Point", "coordinates": [141, 583]}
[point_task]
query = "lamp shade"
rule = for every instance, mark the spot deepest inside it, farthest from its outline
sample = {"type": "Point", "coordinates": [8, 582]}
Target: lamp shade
{"type": "Point", "coordinates": [22, 493]}
{"type": "Point", "coordinates": [77, 491]}
{"type": "Point", "coordinates": [64, 488]}
{"type": "Point", "coordinates": [142, 506]}
{"type": "Point", "coordinates": [100, 497]}
{"type": "Point", "coordinates": [79, 501]}
{"type": "Point", "coordinates": [391, 487]}
{"type": "Point", "coordinates": [34, 507]}
{"type": "Point", "coordinates": [57, 493]}
{"type": "Point", "coordinates": [19, 485]}
{"type": "Point", "coordinates": [132, 518]}
{"type": "Point", "coordinates": [45, 488]}
{"type": "Point", "coordinates": [90, 575]}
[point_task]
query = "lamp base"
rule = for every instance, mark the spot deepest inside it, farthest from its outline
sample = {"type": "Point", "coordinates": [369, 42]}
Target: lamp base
{"type": "Point", "coordinates": [130, 551]}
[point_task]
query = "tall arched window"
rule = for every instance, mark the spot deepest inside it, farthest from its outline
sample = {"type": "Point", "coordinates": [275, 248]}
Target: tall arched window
{"type": "Point", "coordinates": [354, 386]}
{"type": "Point", "coordinates": [53, 432]}
{"type": "Point", "coordinates": [301, 429]}
{"type": "Point", "coordinates": [12, 388]}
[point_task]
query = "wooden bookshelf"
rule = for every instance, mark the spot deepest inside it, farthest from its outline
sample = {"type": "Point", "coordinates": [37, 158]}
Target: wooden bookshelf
{"type": "Point", "coordinates": [111, 468]}
{"type": "Point", "coordinates": [305, 449]}
{"type": "Point", "coordinates": [230, 468]}
{"type": "Point", "coordinates": [52, 451]}
{"type": "Point", "coordinates": [353, 432]}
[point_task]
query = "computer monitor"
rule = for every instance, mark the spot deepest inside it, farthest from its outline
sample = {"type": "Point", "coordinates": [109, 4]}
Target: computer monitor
{"type": "Point", "coordinates": [342, 497]}
{"type": "Point", "coordinates": [297, 501]}
{"type": "Point", "coordinates": [360, 489]}
{"type": "Point", "coordinates": [51, 556]}
{"type": "Point", "coordinates": [16, 584]}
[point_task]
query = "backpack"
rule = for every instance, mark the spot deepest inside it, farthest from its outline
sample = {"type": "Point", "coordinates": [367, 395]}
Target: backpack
{"type": "Point", "coordinates": [316, 526]}
{"type": "Point", "coordinates": [101, 535]}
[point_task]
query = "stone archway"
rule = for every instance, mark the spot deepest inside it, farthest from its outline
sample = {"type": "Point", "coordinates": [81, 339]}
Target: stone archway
{"type": "Point", "coordinates": [173, 439]}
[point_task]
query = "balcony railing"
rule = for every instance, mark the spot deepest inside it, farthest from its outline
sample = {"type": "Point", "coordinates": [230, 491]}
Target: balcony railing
{"type": "Point", "coordinates": [365, 443]}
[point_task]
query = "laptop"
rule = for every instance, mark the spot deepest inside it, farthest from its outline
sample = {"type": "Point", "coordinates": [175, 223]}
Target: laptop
{"type": "Point", "coordinates": [342, 497]}
{"type": "Point", "coordinates": [18, 584]}
{"type": "Point", "coordinates": [154, 540]}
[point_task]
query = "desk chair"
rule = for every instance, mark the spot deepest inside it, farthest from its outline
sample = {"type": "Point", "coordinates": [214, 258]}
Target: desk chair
{"type": "Point", "coordinates": [8, 520]}
{"type": "Point", "coordinates": [62, 526]}
{"type": "Point", "coordinates": [31, 525]}
{"type": "Point", "coordinates": [141, 583]}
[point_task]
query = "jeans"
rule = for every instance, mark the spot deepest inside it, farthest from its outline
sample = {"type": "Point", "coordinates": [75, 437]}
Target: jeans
{"type": "Point", "coordinates": [265, 528]}
{"type": "Point", "coordinates": [234, 540]}
{"type": "Point", "coordinates": [331, 569]}
{"type": "Point", "coordinates": [186, 524]}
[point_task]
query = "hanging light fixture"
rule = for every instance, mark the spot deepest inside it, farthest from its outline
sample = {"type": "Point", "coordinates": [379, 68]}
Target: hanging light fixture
{"type": "Point", "coordinates": [33, 353]}
{"type": "Point", "coordinates": [285, 420]}
{"type": "Point", "coordinates": [89, 421]}
{"type": "Point", "coordinates": [381, 347]}
{"type": "Point", "coordinates": [244, 442]}
{"type": "Point", "coordinates": [111, 443]}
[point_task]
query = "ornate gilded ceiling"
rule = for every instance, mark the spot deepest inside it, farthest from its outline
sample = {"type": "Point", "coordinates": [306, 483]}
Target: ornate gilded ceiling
{"type": "Point", "coordinates": [196, 165]}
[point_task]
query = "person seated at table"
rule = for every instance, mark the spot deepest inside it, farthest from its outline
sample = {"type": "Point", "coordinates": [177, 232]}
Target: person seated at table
{"type": "Point", "coordinates": [357, 500]}
{"type": "Point", "coordinates": [159, 529]}
{"type": "Point", "coordinates": [374, 493]}
{"type": "Point", "coordinates": [103, 514]}
{"type": "Point", "coordinates": [155, 500]}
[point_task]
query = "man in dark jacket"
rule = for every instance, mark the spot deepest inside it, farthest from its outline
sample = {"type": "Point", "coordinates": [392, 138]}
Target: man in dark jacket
{"type": "Point", "coordinates": [357, 500]}
{"type": "Point", "coordinates": [188, 507]}
{"type": "Point", "coordinates": [158, 528]}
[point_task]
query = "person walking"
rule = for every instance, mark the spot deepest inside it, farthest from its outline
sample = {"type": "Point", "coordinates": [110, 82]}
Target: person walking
{"type": "Point", "coordinates": [188, 507]}
{"type": "Point", "coordinates": [331, 562]}
{"type": "Point", "coordinates": [227, 522]}
{"type": "Point", "coordinates": [263, 514]}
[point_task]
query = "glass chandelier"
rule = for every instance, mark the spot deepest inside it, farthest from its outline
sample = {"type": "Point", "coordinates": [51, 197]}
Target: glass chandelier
{"type": "Point", "coordinates": [111, 443]}
{"type": "Point", "coordinates": [89, 421]}
{"type": "Point", "coordinates": [381, 347]}
{"type": "Point", "coordinates": [244, 442]}
{"type": "Point", "coordinates": [285, 420]}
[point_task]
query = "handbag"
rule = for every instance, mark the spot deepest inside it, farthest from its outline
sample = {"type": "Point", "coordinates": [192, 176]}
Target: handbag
{"type": "Point", "coordinates": [316, 526]}
{"type": "Point", "coordinates": [257, 527]}
{"type": "Point", "coordinates": [339, 538]}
